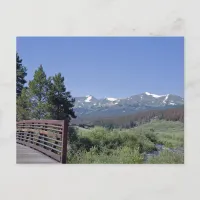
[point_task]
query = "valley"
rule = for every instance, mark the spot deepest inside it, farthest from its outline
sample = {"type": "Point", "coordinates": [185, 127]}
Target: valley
{"type": "Point", "coordinates": [156, 142]}
{"type": "Point", "coordinates": [154, 135]}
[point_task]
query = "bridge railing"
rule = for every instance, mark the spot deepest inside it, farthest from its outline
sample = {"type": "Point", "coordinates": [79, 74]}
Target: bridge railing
{"type": "Point", "coordinates": [46, 136]}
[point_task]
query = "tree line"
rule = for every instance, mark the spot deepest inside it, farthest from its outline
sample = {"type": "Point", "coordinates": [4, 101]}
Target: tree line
{"type": "Point", "coordinates": [42, 97]}
{"type": "Point", "coordinates": [133, 120]}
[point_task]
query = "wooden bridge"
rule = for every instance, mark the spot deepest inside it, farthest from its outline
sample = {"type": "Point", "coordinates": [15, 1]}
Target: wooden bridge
{"type": "Point", "coordinates": [41, 141]}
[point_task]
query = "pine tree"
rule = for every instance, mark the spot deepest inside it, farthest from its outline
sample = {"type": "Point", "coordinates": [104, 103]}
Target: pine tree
{"type": "Point", "coordinates": [23, 106]}
{"type": "Point", "coordinates": [38, 94]}
{"type": "Point", "coordinates": [21, 73]}
{"type": "Point", "coordinates": [60, 102]}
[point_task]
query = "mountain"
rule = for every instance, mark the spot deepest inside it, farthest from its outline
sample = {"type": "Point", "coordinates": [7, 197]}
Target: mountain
{"type": "Point", "coordinates": [90, 106]}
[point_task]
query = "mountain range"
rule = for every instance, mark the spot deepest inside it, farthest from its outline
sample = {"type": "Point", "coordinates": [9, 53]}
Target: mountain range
{"type": "Point", "coordinates": [89, 106]}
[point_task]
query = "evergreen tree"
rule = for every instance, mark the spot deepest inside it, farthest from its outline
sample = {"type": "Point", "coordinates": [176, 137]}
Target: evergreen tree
{"type": "Point", "coordinates": [23, 106]}
{"type": "Point", "coordinates": [21, 74]}
{"type": "Point", "coordinates": [132, 124]}
{"type": "Point", "coordinates": [38, 94]}
{"type": "Point", "coordinates": [60, 102]}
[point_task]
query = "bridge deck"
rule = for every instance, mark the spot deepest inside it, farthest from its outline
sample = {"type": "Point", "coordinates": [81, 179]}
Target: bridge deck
{"type": "Point", "coordinates": [26, 155]}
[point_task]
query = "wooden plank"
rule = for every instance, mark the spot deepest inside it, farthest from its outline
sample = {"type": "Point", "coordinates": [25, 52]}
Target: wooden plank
{"type": "Point", "coordinates": [36, 146]}
{"type": "Point", "coordinates": [20, 134]}
{"type": "Point", "coordinates": [41, 132]}
{"type": "Point", "coordinates": [39, 128]}
{"type": "Point", "coordinates": [26, 155]}
{"type": "Point", "coordinates": [53, 122]}
{"type": "Point", "coordinates": [39, 125]}
{"type": "Point", "coordinates": [42, 150]}
{"type": "Point", "coordinates": [40, 143]}
{"type": "Point", "coordinates": [45, 141]}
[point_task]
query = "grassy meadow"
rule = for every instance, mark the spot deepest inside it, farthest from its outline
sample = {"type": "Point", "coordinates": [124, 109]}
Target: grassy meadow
{"type": "Point", "coordinates": [156, 142]}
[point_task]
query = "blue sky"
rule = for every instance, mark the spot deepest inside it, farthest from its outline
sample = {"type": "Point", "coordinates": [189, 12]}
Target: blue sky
{"type": "Point", "coordinates": [109, 66]}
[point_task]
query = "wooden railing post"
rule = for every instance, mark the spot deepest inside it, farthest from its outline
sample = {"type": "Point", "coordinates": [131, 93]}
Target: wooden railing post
{"type": "Point", "coordinates": [64, 142]}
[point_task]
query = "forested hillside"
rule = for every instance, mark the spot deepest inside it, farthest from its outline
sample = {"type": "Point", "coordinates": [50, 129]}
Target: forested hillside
{"type": "Point", "coordinates": [130, 121]}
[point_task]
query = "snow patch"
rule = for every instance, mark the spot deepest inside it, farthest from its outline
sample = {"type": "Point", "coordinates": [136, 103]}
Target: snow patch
{"type": "Point", "coordinates": [164, 101]}
{"type": "Point", "coordinates": [172, 103]}
{"type": "Point", "coordinates": [154, 95]}
{"type": "Point", "coordinates": [111, 99]}
{"type": "Point", "coordinates": [88, 98]}
{"type": "Point", "coordinates": [147, 93]}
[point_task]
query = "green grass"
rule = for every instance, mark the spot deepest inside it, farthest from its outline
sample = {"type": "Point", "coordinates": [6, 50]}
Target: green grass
{"type": "Point", "coordinates": [167, 157]}
{"type": "Point", "coordinates": [126, 146]}
{"type": "Point", "coordinates": [170, 134]}
{"type": "Point", "coordinates": [123, 155]}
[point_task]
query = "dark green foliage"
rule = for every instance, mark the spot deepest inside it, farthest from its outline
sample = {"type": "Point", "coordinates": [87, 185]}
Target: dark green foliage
{"type": "Point", "coordinates": [38, 88]}
{"type": "Point", "coordinates": [44, 98]}
{"type": "Point", "coordinates": [21, 73]}
{"type": "Point", "coordinates": [23, 106]}
{"type": "Point", "coordinates": [60, 102]}
{"type": "Point", "coordinates": [132, 124]}
{"type": "Point", "coordinates": [152, 137]}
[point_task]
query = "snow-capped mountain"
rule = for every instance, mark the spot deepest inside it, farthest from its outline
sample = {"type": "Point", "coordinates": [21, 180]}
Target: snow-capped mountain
{"type": "Point", "coordinates": [89, 105]}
